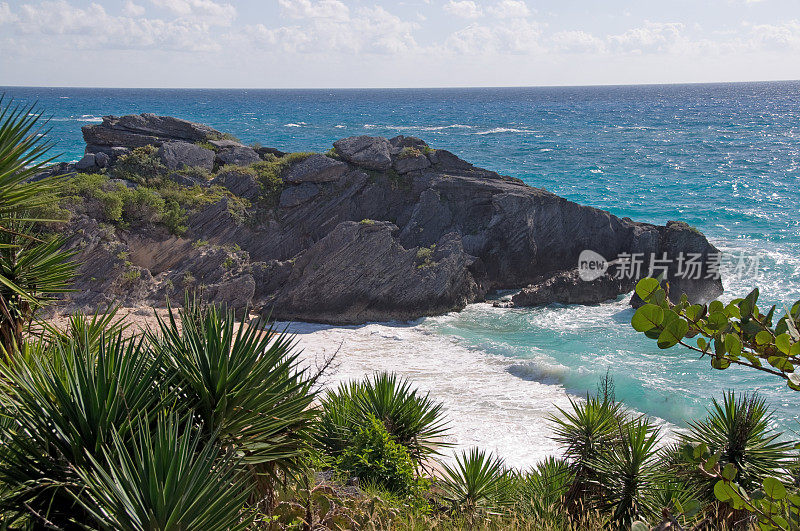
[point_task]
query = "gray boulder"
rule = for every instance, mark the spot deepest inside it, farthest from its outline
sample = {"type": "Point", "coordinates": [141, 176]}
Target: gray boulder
{"type": "Point", "coordinates": [371, 152]}
{"type": "Point", "coordinates": [399, 142]}
{"type": "Point", "coordinates": [566, 287]}
{"type": "Point", "coordinates": [444, 235]}
{"type": "Point", "coordinates": [412, 162]}
{"type": "Point", "coordinates": [134, 131]}
{"type": "Point", "coordinates": [86, 163]}
{"type": "Point", "coordinates": [184, 180]}
{"type": "Point", "coordinates": [101, 160]}
{"type": "Point", "coordinates": [367, 275]}
{"type": "Point", "coordinates": [179, 155]}
{"type": "Point", "coordinates": [297, 195]}
{"type": "Point", "coordinates": [238, 155]}
{"type": "Point", "coordinates": [315, 169]}
{"type": "Point", "coordinates": [239, 182]}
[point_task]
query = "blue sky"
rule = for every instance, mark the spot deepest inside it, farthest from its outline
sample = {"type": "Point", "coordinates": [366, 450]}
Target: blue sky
{"type": "Point", "coordinates": [407, 43]}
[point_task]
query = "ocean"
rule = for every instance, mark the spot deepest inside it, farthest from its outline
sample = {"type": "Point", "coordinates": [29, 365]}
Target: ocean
{"type": "Point", "coordinates": [725, 158]}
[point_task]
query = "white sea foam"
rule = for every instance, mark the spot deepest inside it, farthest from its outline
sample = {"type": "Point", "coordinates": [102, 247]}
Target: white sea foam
{"type": "Point", "coordinates": [498, 130]}
{"type": "Point", "coordinates": [487, 404]}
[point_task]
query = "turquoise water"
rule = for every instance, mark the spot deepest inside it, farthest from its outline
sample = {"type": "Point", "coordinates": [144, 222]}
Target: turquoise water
{"type": "Point", "coordinates": [723, 157]}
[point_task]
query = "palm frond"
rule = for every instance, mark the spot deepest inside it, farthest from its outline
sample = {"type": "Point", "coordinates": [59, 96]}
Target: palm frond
{"type": "Point", "coordinates": [167, 478]}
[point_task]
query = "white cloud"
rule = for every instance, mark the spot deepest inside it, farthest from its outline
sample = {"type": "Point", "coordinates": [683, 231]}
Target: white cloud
{"type": "Point", "coordinates": [306, 9]}
{"type": "Point", "coordinates": [370, 30]}
{"type": "Point", "coordinates": [510, 9]}
{"type": "Point", "coordinates": [133, 10]}
{"type": "Point", "coordinates": [206, 11]}
{"type": "Point", "coordinates": [6, 16]}
{"type": "Point", "coordinates": [575, 41]}
{"type": "Point", "coordinates": [779, 37]}
{"type": "Point", "coordinates": [649, 38]}
{"type": "Point", "coordinates": [93, 28]}
{"type": "Point", "coordinates": [514, 37]}
{"type": "Point", "coordinates": [463, 9]}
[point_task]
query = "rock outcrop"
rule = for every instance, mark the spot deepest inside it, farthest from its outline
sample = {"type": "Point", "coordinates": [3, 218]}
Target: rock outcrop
{"type": "Point", "coordinates": [376, 230]}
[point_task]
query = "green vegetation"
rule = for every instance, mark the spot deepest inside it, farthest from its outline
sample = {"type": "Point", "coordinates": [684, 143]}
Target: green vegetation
{"type": "Point", "coordinates": [425, 256]}
{"type": "Point", "coordinates": [409, 152]}
{"type": "Point", "coordinates": [33, 268]}
{"type": "Point", "coordinates": [269, 175]}
{"type": "Point", "coordinates": [142, 165]}
{"type": "Point", "coordinates": [413, 419]}
{"type": "Point", "coordinates": [161, 202]}
{"type": "Point", "coordinates": [375, 457]}
{"type": "Point", "coordinates": [225, 136]}
{"type": "Point", "coordinates": [737, 333]}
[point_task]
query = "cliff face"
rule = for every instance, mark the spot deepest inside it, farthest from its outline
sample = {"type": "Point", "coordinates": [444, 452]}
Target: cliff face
{"type": "Point", "coordinates": [377, 229]}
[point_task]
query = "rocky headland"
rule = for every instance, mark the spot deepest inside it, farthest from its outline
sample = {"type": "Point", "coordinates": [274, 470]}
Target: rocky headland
{"type": "Point", "coordinates": [374, 229]}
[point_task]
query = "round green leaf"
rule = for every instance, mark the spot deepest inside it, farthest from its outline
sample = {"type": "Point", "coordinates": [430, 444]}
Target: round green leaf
{"type": "Point", "coordinates": [647, 317]}
{"type": "Point", "coordinates": [763, 338]}
{"type": "Point", "coordinates": [722, 491]}
{"type": "Point", "coordinates": [783, 343]}
{"type": "Point", "coordinates": [720, 363]}
{"type": "Point", "coordinates": [717, 321]}
{"type": "Point", "coordinates": [729, 471]}
{"type": "Point", "coordinates": [673, 332]}
{"type": "Point", "coordinates": [646, 287]}
{"type": "Point", "coordinates": [733, 345]}
{"type": "Point", "coordinates": [774, 488]}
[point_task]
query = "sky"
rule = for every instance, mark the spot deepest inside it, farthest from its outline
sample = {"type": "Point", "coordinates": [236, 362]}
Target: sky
{"type": "Point", "coordinates": [385, 43]}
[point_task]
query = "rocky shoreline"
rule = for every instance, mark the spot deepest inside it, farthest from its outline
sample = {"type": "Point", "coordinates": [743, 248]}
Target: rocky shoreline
{"type": "Point", "coordinates": [375, 229]}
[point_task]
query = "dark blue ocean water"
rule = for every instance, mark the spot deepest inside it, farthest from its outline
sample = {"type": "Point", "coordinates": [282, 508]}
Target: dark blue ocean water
{"type": "Point", "coordinates": [722, 157]}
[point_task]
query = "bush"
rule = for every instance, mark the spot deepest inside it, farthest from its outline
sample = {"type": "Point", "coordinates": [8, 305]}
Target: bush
{"type": "Point", "coordinates": [166, 477]}
{"type": "Point", "coordinates": [374, 457]}
{"type": "Point", "coordinates": [539, 493]}
{"type": "Point", "coordinates": [738, 430]}
{"type": "Point", "coordinates": [142, 165]}
{"type": "Point", "coordinates": [164, 202]}
{"type": "Point", "coordinates": [409, 152]}
{"type": "Point", "coordinates": [102, 431]}
{"type": "Point", "coordinates": [144, 205]}
{"type": "Point", "coordinates": [269, 175]}
{"type": "Point", "coordinates": [413, 419]}
{"type": "Point", "coordinates": [477, 481]}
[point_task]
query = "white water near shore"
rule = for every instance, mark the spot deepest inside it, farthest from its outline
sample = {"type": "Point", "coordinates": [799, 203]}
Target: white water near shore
{"type": "Point", "coordinates": [487, 406]}
{"type": "Point", "coordinates": [490, 400]}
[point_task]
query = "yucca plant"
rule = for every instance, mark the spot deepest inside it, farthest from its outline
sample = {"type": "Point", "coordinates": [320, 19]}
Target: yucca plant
{"type": "Point", "coordinates": [413, 419]}
{"type": "Point", "coordinates": [628, 474]}
{"type": "Point", "coordinates": [62, 402]}
{"type": "Point", "coordinates": [82, 327]}
{"type": "Point", "coordinates": [166, 478]}
{"type": "Point", "coordinates": [32, 269]}
{"type": "Point", "coordinates": [242, 380]}
{"type": "Point", "coordinates": [738, 429]}
{"type": "Point", "coordinates": [478, 481]}
{"type": "Point", "coordinates": [585, 432]}
{"type": "Point", "coordinates": [539, 493]}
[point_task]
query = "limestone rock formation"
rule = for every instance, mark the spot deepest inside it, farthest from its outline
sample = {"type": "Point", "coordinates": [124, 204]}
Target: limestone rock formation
{"type": "Point", "coordinates": [382, 229]}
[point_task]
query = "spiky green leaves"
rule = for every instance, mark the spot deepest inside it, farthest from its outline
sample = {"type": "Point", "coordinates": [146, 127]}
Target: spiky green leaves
{"type": "Point", "coordinates": [478, 480]}
{"type": "Point", "coordinates": [412, 418]}
{"type": "Point", "coordinates": [165, 478]}
{"type": "Point", "coordinates": [243, 381]}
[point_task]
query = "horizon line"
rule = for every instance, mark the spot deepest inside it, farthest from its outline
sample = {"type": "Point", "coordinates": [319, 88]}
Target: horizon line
{"type": "Point", "coordinates": [589, 85]}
